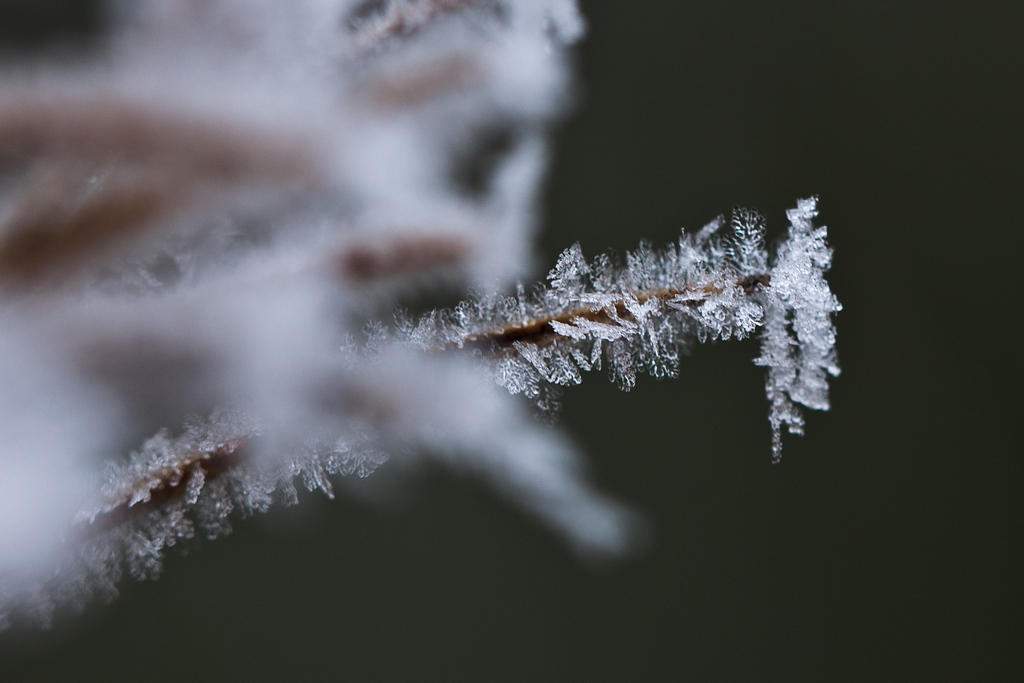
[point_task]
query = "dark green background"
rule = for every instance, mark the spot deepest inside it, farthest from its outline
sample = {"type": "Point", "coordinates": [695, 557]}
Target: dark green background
{"type": "Point", "coordinates": [888, 545]}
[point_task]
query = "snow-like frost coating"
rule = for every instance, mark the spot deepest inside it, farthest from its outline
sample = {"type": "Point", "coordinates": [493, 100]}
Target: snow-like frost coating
{"type": "Point", "coordinates": [643, 316]}
{"type": "Point", "coordinates": [196, 224]}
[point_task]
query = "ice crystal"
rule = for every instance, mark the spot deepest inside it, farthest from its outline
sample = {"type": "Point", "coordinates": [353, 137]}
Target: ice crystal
{"type": "Point", "coordinates": [798, 343]}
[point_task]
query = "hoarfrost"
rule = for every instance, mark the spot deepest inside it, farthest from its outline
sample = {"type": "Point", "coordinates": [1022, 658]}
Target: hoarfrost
{"type": "Point", "coordinates": [798, 344]}
{"type": "Point", "coordinates": [643, 316]}
{"type": "Point", "coordinates": [199, 222]}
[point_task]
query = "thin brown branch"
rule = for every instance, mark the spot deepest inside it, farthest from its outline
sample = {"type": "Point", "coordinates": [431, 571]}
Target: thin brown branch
{"type": "Point", "coordinates": [105, 129]}
{"type": "Point", "coordinates": [169, 483]}
{"type": "Point", "coordinates": [364, 262]}
{"type": "Point", "coordinates": [66, 214]}
{"type": "Point", "coordinates": [540, 331]}
{"type": "Point", "coordinates": [102, 170]}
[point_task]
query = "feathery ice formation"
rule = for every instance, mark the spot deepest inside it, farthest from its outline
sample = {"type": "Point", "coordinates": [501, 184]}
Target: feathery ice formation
{"type": "Point", "coordinates": [640, 317]}
{"type": "Point", "coordinates": [200, 221]}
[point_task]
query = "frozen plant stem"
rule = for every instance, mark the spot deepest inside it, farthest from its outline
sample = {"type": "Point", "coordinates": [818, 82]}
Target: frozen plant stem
{"type": "Point", "coordinates": [196, 226]}
{"type": "Point", "coordinates": [543, 331]}
{"type": "Point", "coordinates": [642, 316]}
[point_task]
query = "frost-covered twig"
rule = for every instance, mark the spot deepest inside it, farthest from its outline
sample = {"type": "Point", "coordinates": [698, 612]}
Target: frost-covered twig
{"type": "Point", "coordinates": [195, 228]}
{"type": "Point", "coordinates": [641, 317]}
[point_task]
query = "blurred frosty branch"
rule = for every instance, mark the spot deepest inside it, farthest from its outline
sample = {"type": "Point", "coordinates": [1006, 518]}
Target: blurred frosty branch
{"type": "Point", "coordinates": [200, 221]}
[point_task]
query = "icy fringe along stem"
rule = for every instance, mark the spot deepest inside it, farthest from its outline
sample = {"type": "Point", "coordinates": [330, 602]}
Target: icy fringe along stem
{"type": "Point", "coordinates": [641, 317]}
{"type": "Point", "coordinates": [591, 314]}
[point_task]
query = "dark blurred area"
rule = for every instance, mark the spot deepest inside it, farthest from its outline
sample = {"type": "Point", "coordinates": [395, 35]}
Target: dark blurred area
{"type": "Point", "coordinates": [889, 543]}
{"type": "Point", "coordinates": [28, 26]}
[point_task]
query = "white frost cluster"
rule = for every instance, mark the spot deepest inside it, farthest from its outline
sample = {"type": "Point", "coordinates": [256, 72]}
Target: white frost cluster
{"type": "Point", "coordinates": [798, 342]}
{"type": "Point", "coordinates": [196, 224]}
{"type": "Point", "coordinates": [640, 317]}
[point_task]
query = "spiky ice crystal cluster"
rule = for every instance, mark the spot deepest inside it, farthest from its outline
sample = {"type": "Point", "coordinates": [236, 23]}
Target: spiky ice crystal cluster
{"type": "Point", "coordinates": [642, 316]}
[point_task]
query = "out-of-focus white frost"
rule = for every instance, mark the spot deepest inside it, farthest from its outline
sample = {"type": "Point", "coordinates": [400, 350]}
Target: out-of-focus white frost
{"type": "Point", "coordinates": [193, 225]}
